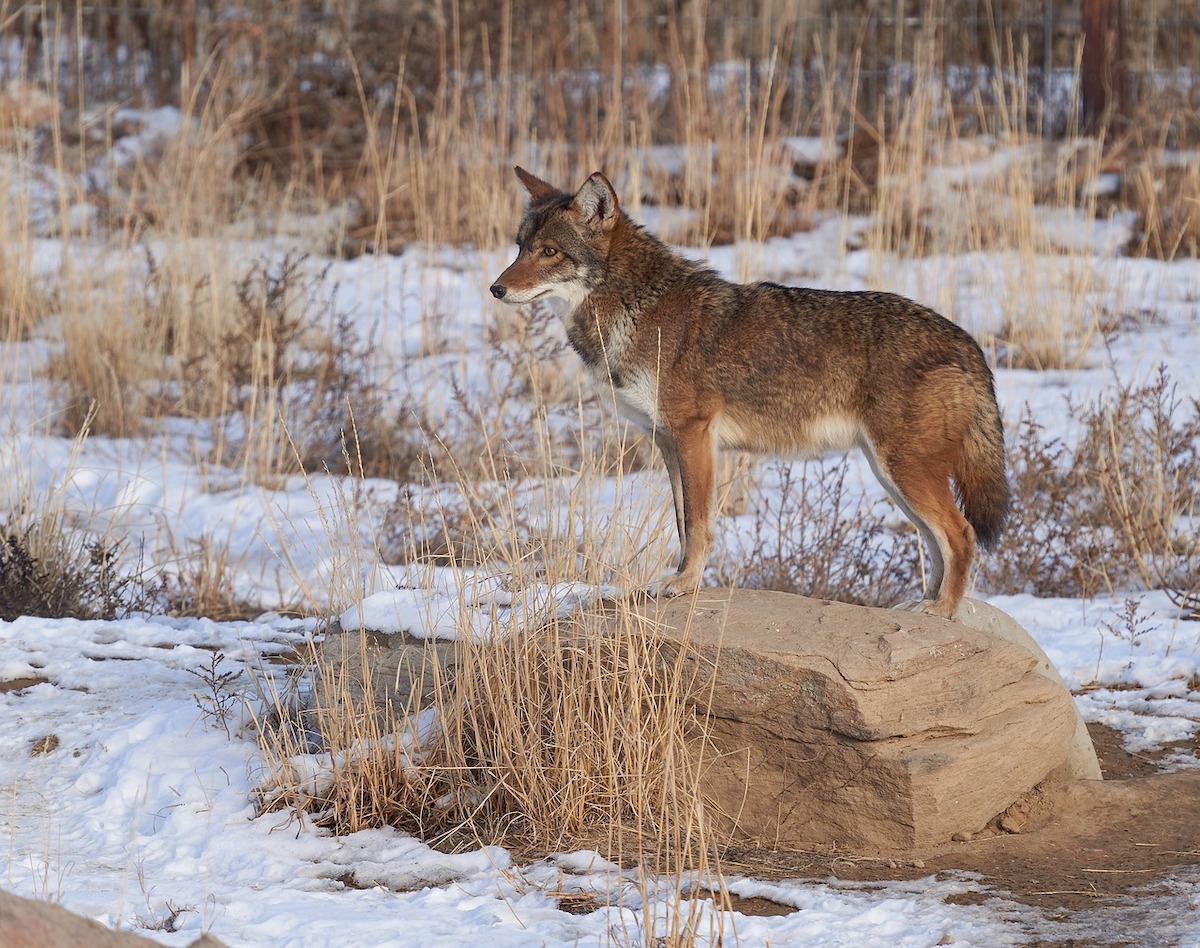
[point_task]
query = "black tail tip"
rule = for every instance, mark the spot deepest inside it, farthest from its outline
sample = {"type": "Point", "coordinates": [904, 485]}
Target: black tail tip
{"type": "Point", "coordinates": [990, 528]}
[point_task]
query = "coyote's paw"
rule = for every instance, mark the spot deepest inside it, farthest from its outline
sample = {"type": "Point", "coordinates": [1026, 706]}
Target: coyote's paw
{"type": "Point", "coordinates": [659, 589]}
{"type": "Point", "coordinates": [668, 586]}
{"type": "Point", "coordinates": [931, 607]}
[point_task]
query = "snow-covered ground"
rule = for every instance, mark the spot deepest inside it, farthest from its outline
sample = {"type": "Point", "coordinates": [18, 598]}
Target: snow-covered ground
{"type": "Point", "coordinates": [123, 800]}
{"type": "Point", "coordinates": [143, 812]}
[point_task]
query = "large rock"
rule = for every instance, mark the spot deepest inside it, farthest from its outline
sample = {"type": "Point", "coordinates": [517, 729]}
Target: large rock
{"type": "Point", "coordinates": [822, 723]}
{"type": "Point", "coordinates": [870, 729]}
{"type": "Point", "coordinates": [401, 672]}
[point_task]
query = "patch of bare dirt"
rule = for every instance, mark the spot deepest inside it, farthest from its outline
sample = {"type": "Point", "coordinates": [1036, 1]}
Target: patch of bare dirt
{"type": "Point", "coordinates": [14, 685]}
{"type": "Point", "coordinates": [1079, 848]}
{"type": "Point", "coordinates": [1116, 763]}
{"type": "Point", "coordinates": [756, 905]}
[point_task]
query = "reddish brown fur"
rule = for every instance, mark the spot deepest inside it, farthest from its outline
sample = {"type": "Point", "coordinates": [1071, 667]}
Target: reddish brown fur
{"type": "Point", "coordinates": [704, 364]}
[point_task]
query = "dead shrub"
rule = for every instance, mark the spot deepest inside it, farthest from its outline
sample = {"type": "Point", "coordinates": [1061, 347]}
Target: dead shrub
{"type": "Point", "coordinates": [1045, 549]}
{"type": "Point", "coordinates": [285, 377]}
{"type": "Point", "coordinates": [47, 571]}
{"type": "Point", "coordinates": [1113, 507]}
{"type": "Point", "coordinates": [383, 444]}
{"type": "Point", "coordinates": [424, 525]}
{"type": "Point", "coordinates": [1139, 466]}
{"type": "Point", "coordinates": [271, 316]}
{"type": "Point", "coordinates": [810, 533]}
{"type": "Point", "coordinates": [232, 346]}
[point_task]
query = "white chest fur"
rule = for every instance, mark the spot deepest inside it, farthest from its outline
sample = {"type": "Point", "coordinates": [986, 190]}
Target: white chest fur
{"type": "Point", "coordinates": [637, 399]}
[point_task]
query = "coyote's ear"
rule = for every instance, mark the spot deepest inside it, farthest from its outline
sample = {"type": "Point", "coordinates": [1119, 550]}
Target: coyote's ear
{"type": "Point", "coordinates": [595, 204]}
{"type": "Point", "coordinates": [537, 188]}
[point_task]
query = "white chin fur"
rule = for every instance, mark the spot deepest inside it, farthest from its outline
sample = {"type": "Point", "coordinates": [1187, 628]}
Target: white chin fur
{"type": "Point", "coordinates": [566, 297]}
{"type": "Point", "coordinates": [520, 299]}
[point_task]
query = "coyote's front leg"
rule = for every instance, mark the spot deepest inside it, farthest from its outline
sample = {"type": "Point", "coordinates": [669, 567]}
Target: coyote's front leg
{"type": "Point", "coordinates": [689, 453]}
{"type": "Point", "coordinates": [670, 456]}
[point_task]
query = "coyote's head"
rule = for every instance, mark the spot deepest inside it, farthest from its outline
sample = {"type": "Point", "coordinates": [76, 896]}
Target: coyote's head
{"type": "Point", "coordinates": [562, 243]}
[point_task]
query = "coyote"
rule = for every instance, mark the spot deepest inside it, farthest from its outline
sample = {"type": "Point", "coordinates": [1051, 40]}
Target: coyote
{"type": "Point", "coordinates": [702, 364]}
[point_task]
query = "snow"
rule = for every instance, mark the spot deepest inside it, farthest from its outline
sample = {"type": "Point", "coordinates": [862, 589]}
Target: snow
{"type": "Point", "coordinates": [810, 149]}
{"type": "Point", "coordinates": [145, 808]}
{"type": "Point", "coordinates": [445, 603]}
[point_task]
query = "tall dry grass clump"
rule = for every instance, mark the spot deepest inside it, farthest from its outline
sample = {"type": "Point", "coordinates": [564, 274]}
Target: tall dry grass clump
{"type": "Point", "coordinates": [564, 733]}
{"type": "Point", "coordinates": [554, 737]}
{"type": "Point", "coordinates": [1167, 199]}
{"type": "Point", "coordinates": [24, 300]}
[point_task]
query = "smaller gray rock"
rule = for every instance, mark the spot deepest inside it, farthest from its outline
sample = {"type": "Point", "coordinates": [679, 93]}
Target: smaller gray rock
{"type": "Point", "coordinates": [30, 923]}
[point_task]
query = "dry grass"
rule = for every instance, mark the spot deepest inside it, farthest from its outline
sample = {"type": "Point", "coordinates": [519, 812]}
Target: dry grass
{"type": "Point", "coordinates": [202, 582]}
{"type": "Point", "coordinates": [1167, 199]}
{"type": "Point", "coordinates": [550, 735]}
{"type": "Point", "coordinates": [438, 171]}
{"type": "Point", "coordinates": [1106, 509]}
{"type": "Point", "coordinates": [24, 301]}
{"type": "Point", "coordinates": [554, 737]}
{"type": "Point", "coordinates": [547, 734]}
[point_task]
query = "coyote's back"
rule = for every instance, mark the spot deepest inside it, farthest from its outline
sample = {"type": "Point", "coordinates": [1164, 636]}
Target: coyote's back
{"type": "Point", "coordinates": [703, 364]}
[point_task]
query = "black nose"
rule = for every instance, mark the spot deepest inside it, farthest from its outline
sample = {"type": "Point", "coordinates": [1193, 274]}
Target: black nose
{"type": "Point", "coordinates": [498, 290]}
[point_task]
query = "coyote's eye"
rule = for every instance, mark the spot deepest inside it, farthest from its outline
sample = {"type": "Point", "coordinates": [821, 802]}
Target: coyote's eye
{"type": "Point", "coordinates": [549, 252]}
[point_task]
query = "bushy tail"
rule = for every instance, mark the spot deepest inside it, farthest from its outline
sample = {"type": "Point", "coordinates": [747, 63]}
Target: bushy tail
{"type": "Point", "coordinates": [981, 477]}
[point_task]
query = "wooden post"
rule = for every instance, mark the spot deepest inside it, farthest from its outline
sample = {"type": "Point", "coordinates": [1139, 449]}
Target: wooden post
{"type": "Point", "coordinates": [1103, 67]}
